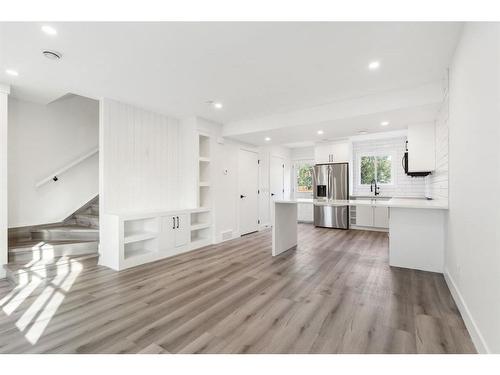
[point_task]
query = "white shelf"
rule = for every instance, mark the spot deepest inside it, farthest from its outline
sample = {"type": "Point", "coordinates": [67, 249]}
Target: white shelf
{"type": "Point", "coordinates": [200, 209]}
{"type": "Point", "coordinates": [136, 252]}
{"type": "Point", "coordinates": [139, 236]}
{"type": "Point", "coordinates": [204, 183]}
{"type": "Point", "coordinates": [200, 226]}
{"type": "Point", "coordinates": [204, 159]}
{"type": "Point", "coordinates": [200, 243]}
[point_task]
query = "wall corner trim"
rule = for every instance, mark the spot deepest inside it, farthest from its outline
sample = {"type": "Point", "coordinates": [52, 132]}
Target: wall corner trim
{"type": "Point", "coordinates": [475, 333]}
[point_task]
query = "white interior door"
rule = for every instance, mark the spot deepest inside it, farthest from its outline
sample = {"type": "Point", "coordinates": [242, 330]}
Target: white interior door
{"type": "Point", "coordinates": [277, 178]}
{"type": "Point", "coordinates": [248, 182]}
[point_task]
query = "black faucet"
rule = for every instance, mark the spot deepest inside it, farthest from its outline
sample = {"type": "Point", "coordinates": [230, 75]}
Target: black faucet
{"type": "Point", "coordinates": [377, 188]}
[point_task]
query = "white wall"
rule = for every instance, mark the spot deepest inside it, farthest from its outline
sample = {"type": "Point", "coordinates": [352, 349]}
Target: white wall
{"type": "Point", "coordinates": [225, 193]}
{"type": "Point", "coordinates": [4, 93]}
{"type": "Point", "coordinates": [403, 185]}
{"type": "Point", "coordinates": [139, 160]}
{"type": "Point", "coordinates": [224, 187]}
{"type": "Point", "coordinates": [473, 241]}
{"type": "Point", "coordinates": [42, 140]}
{"type": "Point", "coordinates": [437, 182]}
{"type": "Point", "coordinates": [265, 154]}
{"type": "Point", "coordinates": [302, 153]}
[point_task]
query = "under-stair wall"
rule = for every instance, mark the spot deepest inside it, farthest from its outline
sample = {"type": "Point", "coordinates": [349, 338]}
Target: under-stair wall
{"type": "Point", "coordinates": [43, 139]}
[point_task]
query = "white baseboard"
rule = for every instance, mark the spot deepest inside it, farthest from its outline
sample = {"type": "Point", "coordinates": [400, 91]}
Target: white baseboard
{"type": "Point", "coordinates": [475, 333]}
{"type": "Point", "coordinates": [373, 229]}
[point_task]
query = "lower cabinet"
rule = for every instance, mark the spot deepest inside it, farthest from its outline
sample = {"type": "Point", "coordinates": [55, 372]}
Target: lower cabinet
{"type": "Point", "coordinates": [381, 217]}
{"type": "Point", "coordinates": [305, 212]}
{"type": "Point", "coordinates": [377, 217]}
{"type": "Point", "coordinates": [364, 216]}
{"type": "Point", "coordinates": [174, 233]}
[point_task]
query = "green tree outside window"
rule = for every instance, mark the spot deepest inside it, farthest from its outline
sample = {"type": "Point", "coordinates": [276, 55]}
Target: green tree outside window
{"type": "Point", "coordinates": [377, 168]}
{"type": "Point", "coordinates": [304, 178]}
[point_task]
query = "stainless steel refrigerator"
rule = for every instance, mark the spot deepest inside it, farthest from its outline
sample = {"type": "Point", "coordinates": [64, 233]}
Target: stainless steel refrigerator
{"type": "Point", "coordinates": [331, 182]}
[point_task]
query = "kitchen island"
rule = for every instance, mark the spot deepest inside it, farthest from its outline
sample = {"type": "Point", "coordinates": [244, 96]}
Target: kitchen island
{"type": "Point", "coordinates": [416, 229]}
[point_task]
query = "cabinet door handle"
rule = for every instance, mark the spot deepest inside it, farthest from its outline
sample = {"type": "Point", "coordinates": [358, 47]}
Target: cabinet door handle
{"type": "Point", "coordinates": [177, 222]}
{"type": "Point", "coordinates": [173, 221]}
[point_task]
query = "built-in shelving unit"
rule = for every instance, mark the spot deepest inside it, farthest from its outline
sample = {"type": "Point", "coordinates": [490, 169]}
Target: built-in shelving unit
{"type": "Point", "coordinates": [204, 191]}
{"type": "Point", "coordinates": [135, 239]}
{"type": "Point", "coordinates": [201, 222]}
{"type": "Point", "coordinates": [129, 240]}
{"type": "Point", "coordinates": [140, 236]}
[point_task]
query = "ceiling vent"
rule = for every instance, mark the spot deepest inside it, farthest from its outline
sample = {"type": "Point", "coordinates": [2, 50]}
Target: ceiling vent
{"type": "Point", "coordinates": [53, 55]}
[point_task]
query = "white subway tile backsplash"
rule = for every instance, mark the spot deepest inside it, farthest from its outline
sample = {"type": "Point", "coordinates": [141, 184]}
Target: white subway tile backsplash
{"type": "Point", "coordinates": [437, 182]}
{"type": "Point", "coordinates": [403, 185]}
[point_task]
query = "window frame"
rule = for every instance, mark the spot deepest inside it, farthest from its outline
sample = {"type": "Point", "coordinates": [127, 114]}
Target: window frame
{"type": "Point", "coordinates": [375, 154]}
{"type": "Point", "coordinates": [296, 165]}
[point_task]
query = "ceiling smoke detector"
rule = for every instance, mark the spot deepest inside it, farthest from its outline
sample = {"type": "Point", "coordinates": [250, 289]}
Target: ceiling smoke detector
{"type": "Point", "coordinates": [53, 55]}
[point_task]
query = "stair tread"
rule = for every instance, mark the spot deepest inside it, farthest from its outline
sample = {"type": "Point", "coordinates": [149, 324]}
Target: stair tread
{"type": "Point", "coordinates": [27, 245]}
{"type": "Point", "coordinates": [67, 228]}
{"type": "Point", "coordinates": [56, 262]}
{"type": "Point", "coordinates": [90, 215]}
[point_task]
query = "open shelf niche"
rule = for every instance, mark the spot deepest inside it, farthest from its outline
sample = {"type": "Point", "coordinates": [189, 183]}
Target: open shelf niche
{"type": "Point", "coordinates": [140, 236]}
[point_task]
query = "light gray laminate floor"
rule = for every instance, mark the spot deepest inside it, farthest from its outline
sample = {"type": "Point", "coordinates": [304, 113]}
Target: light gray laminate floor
{"type": "Point", "coordinates": [334, 294]}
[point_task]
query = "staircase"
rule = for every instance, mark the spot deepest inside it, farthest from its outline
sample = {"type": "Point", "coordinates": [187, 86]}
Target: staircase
{"type": "Point", "coordinates": [47, 251]}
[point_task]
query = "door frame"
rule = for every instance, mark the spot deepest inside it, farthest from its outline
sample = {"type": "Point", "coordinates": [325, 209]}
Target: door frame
{"type": "Point", "coordinates": [271, 156]}
{"type": "Point", "coordinates": [256, 152]}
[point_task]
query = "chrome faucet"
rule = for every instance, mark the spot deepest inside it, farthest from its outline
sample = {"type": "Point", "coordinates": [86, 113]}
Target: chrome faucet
{"type": "Point", "coordinates": [377, 188]}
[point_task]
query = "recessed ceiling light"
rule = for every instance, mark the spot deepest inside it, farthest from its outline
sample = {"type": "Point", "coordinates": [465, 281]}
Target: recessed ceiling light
{"type": "Point", "coordinates": [217, 105]}
{"type": "Point", "coordinates": [49, 30]}
{"type": "Point", "coordinates": [11, 72]}
{"type": "Point", "coordinates": [374, 65]}
{"type": "Point", "coordinates": [384, 123]}
{"type": "Point", "coordinates": [320, 132]}
{"type": "Point", "coordinates": [362, 132]}
{"type": "Point", "coordinates": [267, 139]}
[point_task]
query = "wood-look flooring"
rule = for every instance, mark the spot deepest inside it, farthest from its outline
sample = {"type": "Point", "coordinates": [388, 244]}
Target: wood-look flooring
{"type": "Point", "coordinates": [334, 294]}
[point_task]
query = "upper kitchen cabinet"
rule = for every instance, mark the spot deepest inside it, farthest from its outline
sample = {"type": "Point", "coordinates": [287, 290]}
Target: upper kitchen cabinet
{"type": "Point", "coordinates": [421, 148]}
{"type": "Point", "coordinates": [337, 152]}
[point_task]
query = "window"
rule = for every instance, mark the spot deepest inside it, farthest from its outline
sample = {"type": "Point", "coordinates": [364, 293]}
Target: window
{"type": "Point", "coordinates": [376, 167]}
{"type": "Point", "coordinates": [304, 177]}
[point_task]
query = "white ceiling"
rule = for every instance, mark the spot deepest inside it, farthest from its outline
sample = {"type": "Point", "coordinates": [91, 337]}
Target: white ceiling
{"type": "Point", "coordinates": [255, 69]}
{"type": "Point", "coordinates": [305, 135]}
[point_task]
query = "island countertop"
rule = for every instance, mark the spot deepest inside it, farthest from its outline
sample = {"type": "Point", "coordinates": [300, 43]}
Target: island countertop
{"type": "Point", "coordinates": [381, 202]}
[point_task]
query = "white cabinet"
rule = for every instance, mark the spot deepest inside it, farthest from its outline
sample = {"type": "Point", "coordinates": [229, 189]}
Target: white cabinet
{"type": "Point", "coordinates": [182, 230]}
{"type": "Point", "coordinates": [175, 232]}
{"type": "Point", "coordinates": [381, 217]}
{"type": "Point", "coordinates": [340, 152]}
{"type": "Point", "coordinates": [364, 216]}
{"type": "Point", "coordinates": [305, 212]}
{"type": "Point", "coordinates": [132, 239]}
{"type": "Point", "coordinates": [167, 233]}
{"type": "Point", "coordinates": [377, 217]}
{"type": "Point", "coordinates": [421, 148]}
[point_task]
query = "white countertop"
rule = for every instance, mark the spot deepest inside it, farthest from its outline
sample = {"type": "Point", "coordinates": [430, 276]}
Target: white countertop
{"type": "Point", "coordinates": [391, 203]}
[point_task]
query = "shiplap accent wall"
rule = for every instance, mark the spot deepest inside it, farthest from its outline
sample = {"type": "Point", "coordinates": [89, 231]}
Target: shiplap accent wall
{"type": "Point", "coordinates": [437, 182]}
{"type": "Point", "coordinates": [139, 163]}
{"type": "Point", "coordinates": [403, 185]}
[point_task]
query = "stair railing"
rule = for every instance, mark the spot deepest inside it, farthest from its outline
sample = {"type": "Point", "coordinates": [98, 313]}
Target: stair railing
{"type": "Point", "coordinates": [55, 176]}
